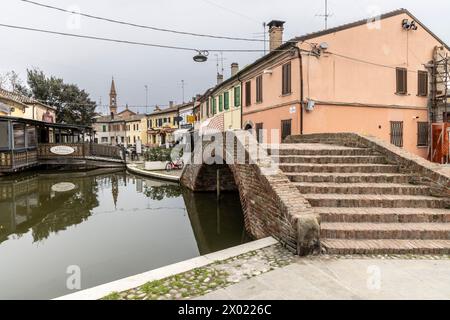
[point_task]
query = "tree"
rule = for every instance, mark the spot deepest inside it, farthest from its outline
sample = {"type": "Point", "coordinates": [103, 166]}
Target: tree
{"type": "Point", "coordinates": [73, 104]}
{"type": "Point", "coordinates": [12, 82]}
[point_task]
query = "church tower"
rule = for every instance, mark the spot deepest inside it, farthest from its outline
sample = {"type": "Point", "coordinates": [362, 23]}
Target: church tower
{"type": "Point", "coordinates": [113, 98]}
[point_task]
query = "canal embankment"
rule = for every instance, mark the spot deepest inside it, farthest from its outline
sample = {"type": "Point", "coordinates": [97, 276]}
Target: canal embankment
{"type": "Point", "coordinates": [194, 277]}
{"type": "Point", "coordinates": [138, 168]}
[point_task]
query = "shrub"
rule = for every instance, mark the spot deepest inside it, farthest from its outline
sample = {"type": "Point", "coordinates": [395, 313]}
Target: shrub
{"type": "Point", "coordinates": [157, 154]}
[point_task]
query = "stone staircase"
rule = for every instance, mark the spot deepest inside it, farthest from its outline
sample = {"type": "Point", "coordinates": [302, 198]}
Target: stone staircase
{"type": "Point", "coordinates": [366, 205]}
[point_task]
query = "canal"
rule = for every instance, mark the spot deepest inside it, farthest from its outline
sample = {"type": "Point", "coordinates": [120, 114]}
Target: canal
{"type": "Point", "coordinates": [103, 225]}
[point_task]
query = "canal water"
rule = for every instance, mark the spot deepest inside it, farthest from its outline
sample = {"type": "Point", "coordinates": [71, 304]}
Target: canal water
{"type": "Point", "coordinates": [103, 226]}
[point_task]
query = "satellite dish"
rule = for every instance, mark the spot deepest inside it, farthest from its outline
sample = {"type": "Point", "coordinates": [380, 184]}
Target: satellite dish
{"type": "Point", "coordinates": [324, 46]}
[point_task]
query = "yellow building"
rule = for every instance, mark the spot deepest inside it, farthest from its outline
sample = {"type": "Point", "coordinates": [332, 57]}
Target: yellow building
{"type": "Point", "coordinates": [220, 107]}
{"type": "Point", "coordinates": [161, 124]}
{"type": "Point", "coordinates": [16, 105]}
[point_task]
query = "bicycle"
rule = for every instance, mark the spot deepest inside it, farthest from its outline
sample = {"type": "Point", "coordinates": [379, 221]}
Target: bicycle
{"type": "Point", "coordinates": [177, 165]}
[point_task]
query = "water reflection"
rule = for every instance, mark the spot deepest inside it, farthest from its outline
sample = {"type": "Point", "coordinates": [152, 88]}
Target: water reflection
{"type": "Point", "coordinates": [110, 223]}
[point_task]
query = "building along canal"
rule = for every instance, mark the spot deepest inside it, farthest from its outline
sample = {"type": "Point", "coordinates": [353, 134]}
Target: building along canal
{"type": "Point", "coordinates": [106, 225]}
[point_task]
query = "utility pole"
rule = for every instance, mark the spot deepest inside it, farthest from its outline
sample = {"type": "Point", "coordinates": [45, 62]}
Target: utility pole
{"type": "Point", "coordinates": [146, 98]}
{"type": "Point", "coordinates": [182, 88]}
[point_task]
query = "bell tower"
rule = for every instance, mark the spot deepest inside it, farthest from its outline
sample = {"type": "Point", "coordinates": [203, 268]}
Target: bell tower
{"type": "Point", "coordinates": [113, 98]}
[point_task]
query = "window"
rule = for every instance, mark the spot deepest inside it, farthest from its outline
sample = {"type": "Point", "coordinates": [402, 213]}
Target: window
{"type": "Point", "coordinates": [104, 128]}
{"type": "Point", "coordinates": [259, 89]}
{"type": "Point", "coordinates": [422, 134]}
{"type": "Point", "coordinates": [286, 128]}
{"type": "Point", "coordinates": [4, 136]}
{"type": "Point", "coordinates": [397, 133]}
{"type": "Point", "coordinates": [31, 136]}
{"type": "Point", "coordinates": [259, 132]}
{"type": "Point", "coordinates": [220, 103]}
{"type": "Point", "coordinates": [19, 135]}
{"type": "Point", "coordinates": [207, 108]}
{"type": "Point", "coordinates": [104, 139]}
{"type": "Point", "coordinates": [286, 79]}
{"type": "Point", "coordinates": [237, 96]}
{"type": "Point", "coordinates": [248, 93]}
{"type": "Point", "coordinates": [226, 100]}
{"type": "Point", "coordinates": [422, 82]}
{"type": "Point", "coordinates": [213, 100]}
{"type": "Point", "coordinates": [402, 80]}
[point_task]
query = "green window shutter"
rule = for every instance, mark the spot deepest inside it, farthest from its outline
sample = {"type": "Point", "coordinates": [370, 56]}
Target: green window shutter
{"type": "Point", "coordinates": [220, 103]}
{"type": "Point", "coordinates": [213, 105]}
{"type": "Point", "coordinates": [226, 100]}
{"type": "Point", "coordinates": [237, 96]}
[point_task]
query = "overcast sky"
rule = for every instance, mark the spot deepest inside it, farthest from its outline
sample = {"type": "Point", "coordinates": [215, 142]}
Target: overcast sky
{"type": "Point", "coordinates": [91, 64]}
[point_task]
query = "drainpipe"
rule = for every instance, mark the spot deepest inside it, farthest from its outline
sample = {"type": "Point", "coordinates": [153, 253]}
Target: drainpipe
{"type": "Point", "coordinates": [299, 53]}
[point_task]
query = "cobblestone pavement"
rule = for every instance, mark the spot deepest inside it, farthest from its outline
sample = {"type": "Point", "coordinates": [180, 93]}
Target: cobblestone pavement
{"type": "Point", "coordinates": [201, 281]}
{"type": "Point", "coordinates": [226, 274]}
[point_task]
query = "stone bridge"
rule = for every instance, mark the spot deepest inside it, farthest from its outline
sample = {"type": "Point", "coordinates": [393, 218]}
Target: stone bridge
{"type": "Point", "coordinates": [272, 205]}
{"type": "Point", "coordinates": [339, 193]}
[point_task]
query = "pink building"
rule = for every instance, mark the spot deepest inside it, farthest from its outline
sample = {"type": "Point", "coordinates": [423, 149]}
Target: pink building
{"type": "Point", "coordinates": [371, 77]}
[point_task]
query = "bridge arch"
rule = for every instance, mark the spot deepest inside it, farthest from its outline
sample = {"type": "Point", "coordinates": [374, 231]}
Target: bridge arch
{"type": "Point", "coordinates": [271, 204]}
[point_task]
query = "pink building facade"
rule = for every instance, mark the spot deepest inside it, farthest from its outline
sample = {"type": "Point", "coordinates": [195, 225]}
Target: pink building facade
{"type": "Point", "coordinates": [368, 77]}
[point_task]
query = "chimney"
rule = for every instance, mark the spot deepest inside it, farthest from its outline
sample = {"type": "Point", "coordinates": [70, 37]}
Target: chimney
{"type": "Point", "coordinates": [275, 34]}
{"type": "Point", "coordinates": [170, 104]}
{"type": "Point", "coordinates": [219, 78]}
{"type": "Point", "coordinates": [234, 68]}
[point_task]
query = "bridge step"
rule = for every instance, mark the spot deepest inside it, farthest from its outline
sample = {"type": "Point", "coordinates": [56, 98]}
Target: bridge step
{"type": "Point", "coordinates": [330, 159]}
{"type": "Point", "coordinates": [318, 149]}
{"type": "Point", "coordinates": [348, 177]}
{"type": "Point", "coordinates": [375, 200]}
{"type": "Point", "coordinates": [423, 231]}
{"type": "Point", "coordinates": [391, 246]}
{"type": "Point", "coordinates": [340, 168]}
{"type": "Point", "coordinates": [383, 215]}
{"type": "Point", "coordinates": [366, 205]}
{"type": "Point", "coordinates": [363, 188]}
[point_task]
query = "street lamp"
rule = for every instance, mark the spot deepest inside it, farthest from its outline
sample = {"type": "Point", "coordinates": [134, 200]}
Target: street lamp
{"type": "Point", "coordinates": [201, 56]}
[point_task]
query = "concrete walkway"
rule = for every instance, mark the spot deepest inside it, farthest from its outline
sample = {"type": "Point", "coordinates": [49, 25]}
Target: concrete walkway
{"type": "Point", "coordinates": [346, 278]}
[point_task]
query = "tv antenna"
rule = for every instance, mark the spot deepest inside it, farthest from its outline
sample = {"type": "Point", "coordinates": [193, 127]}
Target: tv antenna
{"type": "Point", "coordinates": [219, 62]}
{"type": "Point", "coordinates": [326, 15]}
